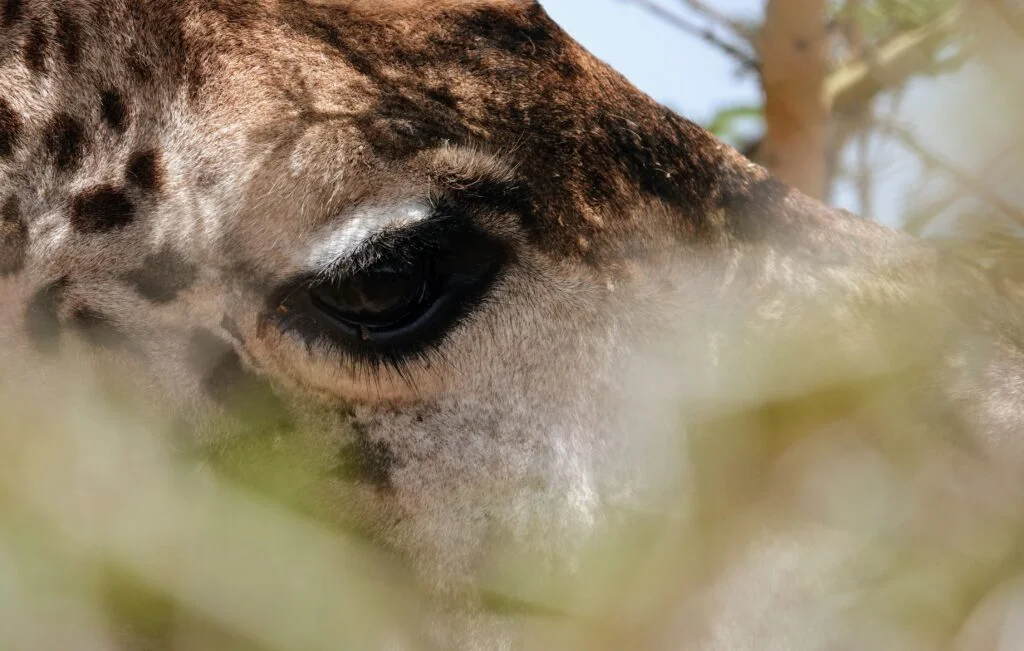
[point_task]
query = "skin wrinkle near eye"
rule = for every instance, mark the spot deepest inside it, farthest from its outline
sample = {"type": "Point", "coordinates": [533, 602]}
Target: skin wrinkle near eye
{"type": "Point", "coordinates": [339, 242]}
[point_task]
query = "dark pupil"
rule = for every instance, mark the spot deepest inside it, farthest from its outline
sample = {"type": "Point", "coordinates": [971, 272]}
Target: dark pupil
{"type": "Point", "coordinates": [378, 297]}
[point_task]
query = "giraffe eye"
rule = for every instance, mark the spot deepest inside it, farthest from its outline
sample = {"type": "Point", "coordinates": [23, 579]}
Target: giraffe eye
{"type": "Point", "coordinates": [379, 299]}
{"type": "Point", "coordinates": [419, 285]}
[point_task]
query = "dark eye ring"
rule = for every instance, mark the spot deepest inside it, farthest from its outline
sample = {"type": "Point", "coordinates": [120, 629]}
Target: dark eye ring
{"type": "Point", "coordinates": [404, 302]}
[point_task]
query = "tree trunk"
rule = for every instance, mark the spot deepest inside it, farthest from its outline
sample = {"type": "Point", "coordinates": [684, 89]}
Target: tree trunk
{"type": "Point", "coordinates": [794, 67]}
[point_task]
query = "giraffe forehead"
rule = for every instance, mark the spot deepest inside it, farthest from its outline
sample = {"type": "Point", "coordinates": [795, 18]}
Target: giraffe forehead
{"type": "Point", "coordinates": [102, 155]}
{"type": "Point", "coordinates": [289, 109]}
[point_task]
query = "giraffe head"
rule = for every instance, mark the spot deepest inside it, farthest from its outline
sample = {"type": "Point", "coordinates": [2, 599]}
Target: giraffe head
{"type": "Point", "coordinates": [415, 220]}
{"type": "Point", "coordinates": [434, 236]}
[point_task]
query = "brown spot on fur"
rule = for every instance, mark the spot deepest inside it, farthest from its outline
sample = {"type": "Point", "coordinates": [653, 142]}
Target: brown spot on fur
{"type": "Point", "coordinates": [35, 48]}
{"type": "Point", "coordinates": [42, 320]}
{"type": "Point", "coordinates": [229, 384]}
{"type": "Point", "coordinates": [145, 171]}
{"type": "Point", "coordinates": [196, 77]}
{"type": "Point", "coordinates": [12, 12]}
{"type": "Point", "coordinates": [64, 138]}
{"type": "Point", "coordinates": [203, 349]}
{"type": "Point", "coordinates": [163, 55]}
{"type": "Point", "coordinates": [226, 378]}
{"type": "Point", "coordinates": [163, 276]}
{"type": "Point", "coordinates": [366, 461]}
{"type": "Point", "coordinates": [98, 329]}
{"type": "Point", "coordinates": [114, 110]}
{"type": "Point", "coordinates": [69, 35]}
{"type": "Point", "coordinates": [100, 209]}
{"type": "Point", "coordinates": [10, 128]}
{"type": "Point", "coordinates": [13, 238]}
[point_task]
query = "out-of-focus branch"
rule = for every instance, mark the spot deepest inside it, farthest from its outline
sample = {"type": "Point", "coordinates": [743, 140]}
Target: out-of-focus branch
{"type": "Point", "coordinates": [670, 18]}
{"type": "Point", "coordinates": [977, 187]}
{"type": "Point", "coordinates": [853, 85]}
{"type": "Point", "coordinates": [851, 28]}
{"type": "Point", "coordinates": [712, 15]}
{"type": "Point", "coordinates": [919, 219]}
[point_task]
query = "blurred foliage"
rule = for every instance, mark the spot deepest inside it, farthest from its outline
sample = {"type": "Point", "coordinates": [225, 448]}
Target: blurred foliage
{"type": "Point", "coordinates": [953, 166]}
{"type": "Point", "coordinates": [111, 538]}
{"type": "Point", "coordinates": [881, 20]}
{"type": "Point", "coordinates": [736, 124]}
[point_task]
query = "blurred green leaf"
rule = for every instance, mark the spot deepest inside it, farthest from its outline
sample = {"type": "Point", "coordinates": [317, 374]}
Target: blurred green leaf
{"type": "Point", "coordinates": [735, 123]}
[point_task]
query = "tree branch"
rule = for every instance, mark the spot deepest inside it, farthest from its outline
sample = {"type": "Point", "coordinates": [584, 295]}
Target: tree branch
{"type": "Point", "coordinates": [855, 84]}
{"type": "Point", "coordinates": [968, 181]}
{"type": "Point", "coordinates": [917, 222]}
{"type": "Point", "coordinates": [738, 29]}
{"type": "Point", "coordinates": [746, 60]}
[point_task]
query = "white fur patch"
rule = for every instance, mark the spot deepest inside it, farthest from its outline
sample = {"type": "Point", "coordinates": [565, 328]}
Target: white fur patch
{"type": "Point", "coordinates": [336, 243]}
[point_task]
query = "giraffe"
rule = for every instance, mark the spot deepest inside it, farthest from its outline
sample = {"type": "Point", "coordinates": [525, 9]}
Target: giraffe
{"type": "Point", "coordinates": [481, 275]}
